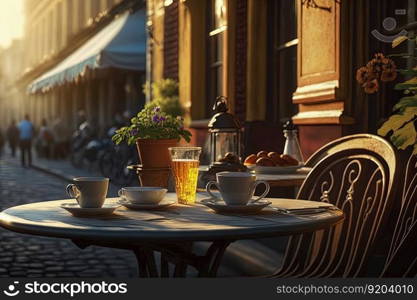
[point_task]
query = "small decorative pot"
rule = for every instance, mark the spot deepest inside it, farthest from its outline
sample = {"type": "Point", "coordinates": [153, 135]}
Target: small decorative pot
{"type": "Point", "coordinates": [155, 168]}
{"type": "Point", "coordinates": [154, 153]}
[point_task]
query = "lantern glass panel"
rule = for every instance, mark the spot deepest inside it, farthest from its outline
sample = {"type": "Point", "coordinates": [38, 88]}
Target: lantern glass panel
{"type": "Point", "coordinates": [225, 142]}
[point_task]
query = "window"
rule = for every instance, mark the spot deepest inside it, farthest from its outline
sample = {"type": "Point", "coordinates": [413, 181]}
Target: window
{"type": "Point", "coordinates": [282, 53]}
{"type": "Point", "coordinates": [216, 26]}
{"type": "Point", "coordinates": [171, 40]}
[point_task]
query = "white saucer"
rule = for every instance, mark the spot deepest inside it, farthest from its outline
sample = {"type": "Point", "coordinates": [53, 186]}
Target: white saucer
{"type": "Point", "coordinates": [77, 211]}
{"type": "Point", "coordinates": [138, 206]}
{"type": "Point", "coordinates": [219, 206]}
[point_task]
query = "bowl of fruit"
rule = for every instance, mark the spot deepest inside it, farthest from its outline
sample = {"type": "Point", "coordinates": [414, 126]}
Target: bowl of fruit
{"type": "Point", "coordinates": [272, 163]}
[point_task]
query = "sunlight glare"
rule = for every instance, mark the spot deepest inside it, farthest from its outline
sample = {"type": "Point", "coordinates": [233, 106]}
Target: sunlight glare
{"type": "Point", "coordinates": [11, 21]}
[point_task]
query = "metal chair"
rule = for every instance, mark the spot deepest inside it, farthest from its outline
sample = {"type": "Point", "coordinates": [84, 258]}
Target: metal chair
{"type": "Point", "coordinates": [355, 173]}
{"type": "Point", "coordinates": [401, 259]}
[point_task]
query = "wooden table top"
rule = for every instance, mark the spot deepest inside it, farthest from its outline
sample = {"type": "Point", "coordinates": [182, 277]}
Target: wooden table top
{"type": "Point", "coordinates": [178, 223]}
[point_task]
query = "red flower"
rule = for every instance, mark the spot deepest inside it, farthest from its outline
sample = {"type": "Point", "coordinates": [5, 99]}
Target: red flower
{"type": "Point", "coordinates": [374, 66]}
{"type": "Point", "coordinates": [371, 86]}
{"type": "Point", "coordinates": [378, 68]}
{"type": "Point", "coordinates": [388, 64]}
{"type": "Point", "coordinates": [388, 75]}
{"type": "Point", "coordinates": [364, 74]}
{"type": "Point", "coordinates": [379, 57]}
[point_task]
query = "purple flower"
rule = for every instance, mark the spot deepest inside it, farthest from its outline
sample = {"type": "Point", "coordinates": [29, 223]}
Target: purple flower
{"type": "Point", "coordinates": [162, 118]}
{"type": "Point", "coordinates": [134, 131]}
{"type": "Point", "coordinates": [157, 109]}
{"type": "Point", "coordinates": [155, 119]}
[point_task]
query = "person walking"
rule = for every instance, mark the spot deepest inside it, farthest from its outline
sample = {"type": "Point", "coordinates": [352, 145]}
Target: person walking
{"type": "Point", "coordinates": [46, 138]}
{"type": "Point", "coordinates": [13, 137]}
{"type": "Point", "coordinates": [26, 132]}
{"type": "Point", "coordinates": [61, 138]}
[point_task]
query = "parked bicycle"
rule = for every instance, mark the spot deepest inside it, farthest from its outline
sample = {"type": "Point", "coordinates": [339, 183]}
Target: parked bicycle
{"type": "Point", "coordinates": [114, 162]}
{"type": "Point", "coordinates": [80, 139]}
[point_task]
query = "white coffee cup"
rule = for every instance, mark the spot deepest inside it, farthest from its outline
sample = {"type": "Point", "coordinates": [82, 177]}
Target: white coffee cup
{"type": "Point", "coordinates": [237, 188]}
{"type": "Point", "coordinates": [142, 194]}
{"type": "Point", "coordinates": [90, 192]}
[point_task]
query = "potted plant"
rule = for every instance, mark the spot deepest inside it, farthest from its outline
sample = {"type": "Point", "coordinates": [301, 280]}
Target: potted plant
{"type": "Point", "coordinates": [401, 125]}
{"type": "Point", "coordinates": [154, 132]}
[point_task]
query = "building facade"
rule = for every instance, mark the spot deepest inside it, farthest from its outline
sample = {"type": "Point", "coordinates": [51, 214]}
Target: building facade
{"type": "Point", "coordinates": [11, 67]}
{"type": "Point", "coordinates": [50, 24]}
{"type": "Point", "coordinates": [53, 30]}
{"type": "Point", "coordinates": [275, 60]}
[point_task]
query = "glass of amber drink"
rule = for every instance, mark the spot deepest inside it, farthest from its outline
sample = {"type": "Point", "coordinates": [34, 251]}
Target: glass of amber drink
{"type": "Point", "coordinates": [184, 164]}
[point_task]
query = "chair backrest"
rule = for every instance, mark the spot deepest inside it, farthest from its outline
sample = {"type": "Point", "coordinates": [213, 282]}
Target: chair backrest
{"type": "Point", "coordinates": [401, 259]}
{"type": "Point", "coordinates": [356, 174]}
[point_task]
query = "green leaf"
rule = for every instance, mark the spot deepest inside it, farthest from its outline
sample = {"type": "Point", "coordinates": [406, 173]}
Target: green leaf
{"type": "Point", "coordinates": [131, 140]}
{"type": "Point", "coordinates": [399, 40]}
{"type": "Point", "coordinates": [405, 136]}
{"type": "Point", "coordinates": [405, 102]}
{"type": "Point", "coordinates": [146, 126]}
{"type": "Point", "coordinates": [397, 121]}
{"type": "Point", "coordinates": [412, 72]}
{"type": "Point", "coordinates": [409, 84]}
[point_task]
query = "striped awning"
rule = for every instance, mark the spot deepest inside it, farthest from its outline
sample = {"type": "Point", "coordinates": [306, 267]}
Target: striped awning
{"type": "Point", "coordinates": [121, 44]}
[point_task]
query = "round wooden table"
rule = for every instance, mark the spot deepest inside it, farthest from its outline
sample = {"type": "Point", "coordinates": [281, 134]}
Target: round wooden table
{"type": "Point", "coordinates": [170, 232]}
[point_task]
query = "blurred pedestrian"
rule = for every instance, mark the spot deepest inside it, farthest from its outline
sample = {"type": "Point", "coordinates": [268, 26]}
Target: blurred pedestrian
{"type": "Point", "coordinates": [47, 139]}
{"type": "Point", "coordinates": [13, 137]}
{"type": "Point", "coordinates": [80, 118]}
{"type": "Point", "coordinates": [26, 132]}
{"type": "Point", "coordinates": [61, 138]}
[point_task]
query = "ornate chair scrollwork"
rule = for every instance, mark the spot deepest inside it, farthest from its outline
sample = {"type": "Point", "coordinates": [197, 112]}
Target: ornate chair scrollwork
{"type": "Point", "coordinates": [355, 173]}
{"type": "Point", "coordinates": [401, 260]}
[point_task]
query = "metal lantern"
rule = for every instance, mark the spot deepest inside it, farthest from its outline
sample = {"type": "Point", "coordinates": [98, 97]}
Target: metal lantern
{"type": "Point", "coordinates": [225, 138]}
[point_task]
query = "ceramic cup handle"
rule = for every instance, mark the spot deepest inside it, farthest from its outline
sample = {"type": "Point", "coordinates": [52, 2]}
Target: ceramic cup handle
{"type": "Point", "coordinates": [120, 193]}
{"type": "Point", "coordinates": [258, 182]}
{"type": "Point", "coordinates": [73, 191]}
{"type": "Point", "coordinates": [208, 188]}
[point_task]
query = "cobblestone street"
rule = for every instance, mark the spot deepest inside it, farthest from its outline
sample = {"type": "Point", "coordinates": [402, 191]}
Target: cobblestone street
{"type": "Point", "coordinates": [31, 256]}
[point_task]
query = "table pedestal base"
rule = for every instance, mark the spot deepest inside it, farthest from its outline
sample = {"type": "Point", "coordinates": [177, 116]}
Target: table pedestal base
{"type": "Point", "coordinates": [179, 255]}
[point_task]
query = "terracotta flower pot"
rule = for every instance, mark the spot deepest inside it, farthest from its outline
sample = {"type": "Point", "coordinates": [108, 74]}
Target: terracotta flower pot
{"type": "Point", "coordinates": [154, 153]}
{"type": "Point", "coordinates": [154, 177]}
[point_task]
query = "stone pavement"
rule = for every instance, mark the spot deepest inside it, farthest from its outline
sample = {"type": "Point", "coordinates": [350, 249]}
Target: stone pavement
{"type": "Point", "coordinates": [64, 170]}
{"type": "Point", "coordinates": [31, 256]}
